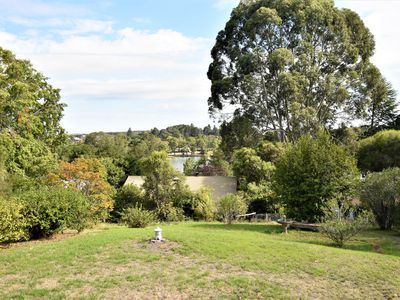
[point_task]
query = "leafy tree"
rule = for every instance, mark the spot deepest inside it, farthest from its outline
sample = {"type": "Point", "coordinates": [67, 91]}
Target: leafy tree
{"type": "Point", "coordinates": [262, 198]}
{"type": "Point", "coordinates": [312, 172]}
{"type": "Point", "coordinates": [90, 177]}
{"type": "Point", "coordinates": [248, 167]}
{"type": "Point", "coordinates": [70, 151]}
{"type": "Point", "coordinates": [342, 230]}
{"type": "Point", "coordinates": [380, 98]}
{"type": "Point", "coordinates": [146, 144]}
{"type": "Point", "coordinates": [115, 170]}
{"type": "Point", "coordinates": [230, 206]}
{"type": "Point", "coordinates": [26, 157]}
{"type": "Point", "coordinates": [381, 193]}
{"type": "Point", "coordinates": [29, 105]}
{"type": "Point", "coordinates": [379, 151]}
{"type": "Point", "coordinates": [162, 182]}
{"type": "Point", "coordinates": [189, 167]}
{"type": "Point", "coordinates": [269, 151]}
{"type": "Point", "coordinates": [293, 66]}
{"type": "Point", "coordinates": [129, 196]}
{"type": "Point", "coordinates": [213, 165]}
{"type": "Point", "coordinates": [108, 145]}
{"type": "Point", "coordinates": [237, 134]}
{"type": "Point", "coordinates": [129, 133]}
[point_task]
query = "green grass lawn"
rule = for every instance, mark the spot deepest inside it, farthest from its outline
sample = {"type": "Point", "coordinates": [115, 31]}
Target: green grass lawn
{"type": "Point", "coordinates": [202, 261]}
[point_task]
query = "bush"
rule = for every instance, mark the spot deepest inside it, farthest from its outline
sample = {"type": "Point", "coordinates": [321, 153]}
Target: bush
{"type": "Point", "coordinates": [380, 151]}
{"type": "Point", "coordinates": [204, 205]}
{"type": "Point", "coordinates": [230, 206]}
{"type": "Point", "coordinates": [381, 193]}
{"type": "Point", "coordinates": [137, 217]}
{"type": "Point", "coordinates": [311, 173]}
{"type": "Point", "coordinates": [51, 210]}
{"type": "Point", "coordinates": [13, 224]}
{"type": "Point", "coordinates": [261, 198]}
{"type": "Point", "coordinates": [128, 196]}
{"type": "Point", "coordinates": [341, 231]}
{"type": "Point", "coordinates": [168, 213]}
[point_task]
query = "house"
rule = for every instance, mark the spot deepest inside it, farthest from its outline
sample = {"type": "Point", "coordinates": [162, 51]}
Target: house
{"type": "Point", "coordinates": [219, 185]}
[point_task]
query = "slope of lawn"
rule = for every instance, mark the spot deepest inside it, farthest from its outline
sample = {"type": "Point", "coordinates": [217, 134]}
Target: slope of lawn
{"type": "Point", "coordinates": [202, 261]}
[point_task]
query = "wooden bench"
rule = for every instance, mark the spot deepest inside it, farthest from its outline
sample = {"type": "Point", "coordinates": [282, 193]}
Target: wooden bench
{"type": "Point", "coordinates": [299, 225]}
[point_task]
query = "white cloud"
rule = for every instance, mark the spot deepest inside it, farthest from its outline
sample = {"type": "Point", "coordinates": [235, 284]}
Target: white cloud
{"type": "Point", "coordinates": [164, 71]}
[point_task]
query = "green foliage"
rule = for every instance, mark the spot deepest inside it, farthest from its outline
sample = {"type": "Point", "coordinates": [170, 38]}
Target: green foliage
{"type": "Point", "coordinates": [146, 144]}
{"type": "Point", "coordinates": [162, 181]}
{"type": "Point", "coordinates": [238, 133]}
{"type": "Point", "coordinates": [137, 217]}
{"type": "Point", "coordinates": [269, 151]}
{"type": "Point", "coordinates": [29, 105]}
{"type": "Point", "coordinates": [89, 177]}
{"type": "Point", "coordinates": [71, 151]}
{"type": "Point", "coordinates": [128, 196]}
{"type": "Point", "coordinates": [380, 98]}
{"type": "Point", "coordinates": [197, 205]}
{"type": "Point", "coordinates": [166, 212]}
{"type": "Point", "coordinates": [261, 198]}
{"type": "Point", "coordinates": [115, 170]}
{"type": "Point", "coordinates": [295, 66]}
{"type": "Point", "coordinates": [203, 205]}
{"type": "Point", "coordinates": [379, 151]}
{"type": "Point", "coordinates": [310, 173]}
{"type": "Point", "coordinates": [230, 206]}
{"type": "Point", "coordinates": [248, 167]}
{"type": "Point", "coordinates": [26, 157]}
{"type": "Point", "coordinates": [49, 210]}
{"type": "Point", "coordinates": [380, 192]}
{"type": "Point", "coordinates": [342, 230]}
{"type": "Point", "coordinates": [213, 164]}
{"type": "Point", "coordinates": [108, 145]}
{"type": "Point", "coordinates": [189, 167]}
{"type": "Point", "coordinates": [13, 224]}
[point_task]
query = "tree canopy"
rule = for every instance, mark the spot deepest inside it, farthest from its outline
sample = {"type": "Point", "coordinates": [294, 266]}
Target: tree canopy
{"type": "Point", "coordinates": [29, 105]}
{"type": "Point", "coordinates": [296, 66]}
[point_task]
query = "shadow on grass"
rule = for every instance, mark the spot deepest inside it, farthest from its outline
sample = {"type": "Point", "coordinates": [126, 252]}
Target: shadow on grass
{"type": "Point", "coordinates": [373, 241]}
{"type": "Point", "coordinates": [254, 227]}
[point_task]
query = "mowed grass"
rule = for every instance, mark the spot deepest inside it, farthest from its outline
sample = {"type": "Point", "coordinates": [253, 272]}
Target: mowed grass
{"type": "Point", "coordinates": [202, 261]}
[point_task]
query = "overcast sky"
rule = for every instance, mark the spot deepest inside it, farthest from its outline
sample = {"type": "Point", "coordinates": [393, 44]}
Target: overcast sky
{"type": "Point", "coordinates": [143, 63]}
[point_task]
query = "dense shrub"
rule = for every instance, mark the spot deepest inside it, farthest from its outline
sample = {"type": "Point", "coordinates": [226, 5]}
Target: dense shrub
{"type": "Point", "coordinates": [203, 205]}
{"type": "Point", "coordinates": [380, 151]}
{"type": "Point", "coordinates": [50, 210]}
{"type": "Point", "coordinates": [269, 151]}
{"type": "Point", "coordinates": [310, 173]}
{"type": "Point", "coordinates": [13, 224]}
{"type": "Point", "coordinates": [197, 205]}
{"type": "Point", "coordinates": [88, 176]}
{"type": "Point", "coordinates": [381, 193]}
{"type": "Point", "coordinates": [248, 167]}
{"type": "Point", "coordinates": [137, 217]}
{"type": "Point", "coordinates": [166, 212]}
{"type": "Point", "coordinates": [261, 198]}
{"type": "Point", "coordinates": [342, 230]}
{"type": "Point", "coordinates": [230, 206]}
{"type": "Point", "coordinates": [128, 196]}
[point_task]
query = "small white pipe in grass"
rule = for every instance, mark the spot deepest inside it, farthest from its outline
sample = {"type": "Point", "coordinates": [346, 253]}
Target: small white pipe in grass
{"type": "Point", "coordinates": [157, 233]}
